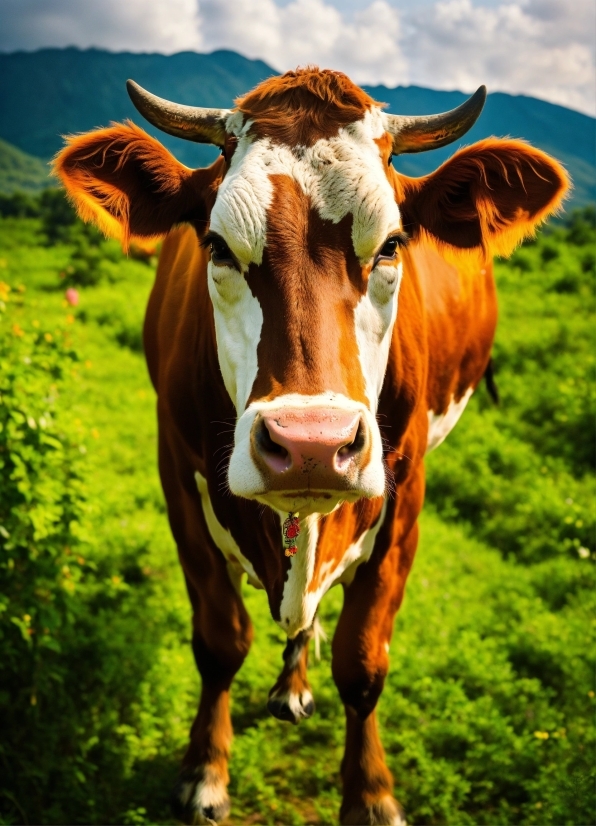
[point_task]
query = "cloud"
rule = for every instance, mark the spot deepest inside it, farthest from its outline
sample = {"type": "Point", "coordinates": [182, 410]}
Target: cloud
{"type": "Point", "coordinates": [543, 48]}
{"type": "Point", "coordinates": [119, 25]}
{"type": "Point", "coordinates": [367, 45]}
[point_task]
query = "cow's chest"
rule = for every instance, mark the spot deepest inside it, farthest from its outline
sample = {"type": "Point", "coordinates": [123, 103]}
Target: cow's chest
{"type": "Point", "coordinates": [314, 569]}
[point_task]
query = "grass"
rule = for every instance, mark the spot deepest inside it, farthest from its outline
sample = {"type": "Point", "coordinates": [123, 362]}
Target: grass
{"type": "Point", "coordinates": [487, 712]}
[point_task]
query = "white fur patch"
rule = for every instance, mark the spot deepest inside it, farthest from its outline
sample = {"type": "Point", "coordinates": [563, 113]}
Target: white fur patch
{"type": "Point", "coordinates": [296, 702]}
{"type": "Point", "coordinates": [223, 539]}
{"type": "Point", "coordinates": [439, 426]}
{"type": "Point", "coordinates": [238, 324]}
{"type": "Point", "coordinates": [296, 609]}
{"type": "Point", "coordinates": [374, 319]}
{"type": "Point", "coordinates": [340, 175]}
{"type": "Point", "coordinates": [210, 790]}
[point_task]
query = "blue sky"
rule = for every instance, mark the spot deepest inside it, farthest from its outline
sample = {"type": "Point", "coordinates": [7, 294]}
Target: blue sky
{"type": "Point", "coordinates": [544, 48]}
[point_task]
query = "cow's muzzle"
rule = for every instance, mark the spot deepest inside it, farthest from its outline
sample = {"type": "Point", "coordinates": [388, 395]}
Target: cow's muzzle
{"type": "Point", "coordinates": [310, 449]}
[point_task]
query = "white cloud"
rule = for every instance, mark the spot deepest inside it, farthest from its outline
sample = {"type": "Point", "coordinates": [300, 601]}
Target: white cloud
{"type": "Point", "coordinates": [536, 47]}
{"type": "Point", "coordinates": [543, 48]}
{"type": "Point", "coordinates": [309, 31]}
{"type": "Point", "coordinates": [119, 25]}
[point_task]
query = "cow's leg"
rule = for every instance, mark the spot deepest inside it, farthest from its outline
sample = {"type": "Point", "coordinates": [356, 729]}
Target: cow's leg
{"type": "Point", "coordinates": [291, 698]}
{"type": "Point", "coordinates": [360, 664]}
{"type": "Point", "coordinates": [222, 634]}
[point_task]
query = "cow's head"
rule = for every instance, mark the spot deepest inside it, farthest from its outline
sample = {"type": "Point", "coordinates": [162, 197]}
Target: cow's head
{"type": "Point", "coordinates": [306, 220]}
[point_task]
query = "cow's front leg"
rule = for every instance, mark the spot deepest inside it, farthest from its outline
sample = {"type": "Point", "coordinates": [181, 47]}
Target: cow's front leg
{"type": "Point", "coordinates": [360, 664]}
{"type": "Point", "coordinates": [291, 698]}
{"type": "Point", "coordinates": [222, 634]}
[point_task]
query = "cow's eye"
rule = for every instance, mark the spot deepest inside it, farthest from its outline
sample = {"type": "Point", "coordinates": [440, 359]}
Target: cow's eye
{"type": "Point", "coordinates": [220, 252]}
{"type": "Point", "coordinates": [389, 249]}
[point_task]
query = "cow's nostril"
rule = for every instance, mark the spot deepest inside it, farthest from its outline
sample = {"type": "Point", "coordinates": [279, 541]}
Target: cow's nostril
{"type": "Point", "coordinates": [266, 443]}
{"type": "Point", "coordinates": [352, 449]}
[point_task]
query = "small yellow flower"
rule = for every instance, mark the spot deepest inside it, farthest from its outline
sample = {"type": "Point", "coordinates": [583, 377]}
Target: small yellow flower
{"type": "Point", "coordinates": [16, 331]}
{"type": "Point", "coordinates": [48, 337]}
{"type": "Point", "coordinates": [116, 580]}
{"type": "Point", "coordinates": [4, 290]}
{"type": "Point", "coordinates": [70, 319]}
{"type": "Point", "coordinates": [88, 364]}
{"type": "Point", "coordinates": [541, 735]}
{"type": "Point", "coordinates": [27, 618]}
{"type": "Point", "coordinates": [95, 433]}
{"type": "Point", "coordinates": [590, 694]}
{"type": "Point", "coordinates": [35, 323]}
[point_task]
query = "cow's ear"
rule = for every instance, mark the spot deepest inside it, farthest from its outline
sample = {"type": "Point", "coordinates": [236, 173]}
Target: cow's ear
{"type": "Point", "coordinates": [488, 196]}
{"type": "Point", "coordinates": [128, 184]}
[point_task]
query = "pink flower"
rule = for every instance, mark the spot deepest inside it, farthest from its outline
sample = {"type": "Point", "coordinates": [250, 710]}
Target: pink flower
{"type": "Point", "coordinates": [72, 296]}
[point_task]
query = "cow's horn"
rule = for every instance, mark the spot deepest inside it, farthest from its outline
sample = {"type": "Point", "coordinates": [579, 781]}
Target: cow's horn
{"type": "Point", "coordinates": [189, 122]}
{"type": "Point", "coordinates": [420, 133]}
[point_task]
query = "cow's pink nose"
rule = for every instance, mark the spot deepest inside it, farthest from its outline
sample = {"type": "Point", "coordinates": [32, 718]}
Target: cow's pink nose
{"type": "Point", "coordinates": [311, 440]}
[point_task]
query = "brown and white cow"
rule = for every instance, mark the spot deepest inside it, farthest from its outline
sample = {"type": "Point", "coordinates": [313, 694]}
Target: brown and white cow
{"type": "Point", "coordinates": [335, 317]}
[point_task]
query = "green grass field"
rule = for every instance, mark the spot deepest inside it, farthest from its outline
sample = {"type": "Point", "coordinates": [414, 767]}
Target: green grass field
{"type": "Point", "coordinates": [487, 714]}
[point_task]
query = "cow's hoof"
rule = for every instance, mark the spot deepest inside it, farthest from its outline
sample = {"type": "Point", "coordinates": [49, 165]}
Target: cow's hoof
{"type": "Point", "coordinates": [200, 797]}
{"type": "Point", "coordinates": [385, 812]}
{"type": "Point", "coordinates": [292, 707]}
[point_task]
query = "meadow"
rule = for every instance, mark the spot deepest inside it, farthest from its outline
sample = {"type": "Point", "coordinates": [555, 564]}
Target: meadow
{"type": "Point", "coordinates": [487, 714]}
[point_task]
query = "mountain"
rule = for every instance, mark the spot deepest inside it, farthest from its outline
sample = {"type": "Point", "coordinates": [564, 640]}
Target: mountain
{"type": "Point", "coordinates": [52, 92]}
{"type": "Point", "coordinates": [21, 172]}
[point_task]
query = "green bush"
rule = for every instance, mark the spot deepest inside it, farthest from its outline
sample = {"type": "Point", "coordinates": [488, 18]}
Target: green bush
{"type": "Point", "coordinates": [68, 613]}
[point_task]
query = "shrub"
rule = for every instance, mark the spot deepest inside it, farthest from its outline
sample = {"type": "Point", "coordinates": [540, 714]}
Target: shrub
{"type": "Point", "coordinates": [41, 502]}
{"type": "Point", "coordinates": [69, 690]}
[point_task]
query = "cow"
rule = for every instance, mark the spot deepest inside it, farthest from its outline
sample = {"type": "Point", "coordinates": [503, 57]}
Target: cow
{"type": "Point", "coordinates": [318, 323]}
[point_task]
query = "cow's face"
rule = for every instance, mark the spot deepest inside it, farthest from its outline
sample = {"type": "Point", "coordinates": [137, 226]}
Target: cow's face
{"type": "Point", "coordinates": [304, 277]}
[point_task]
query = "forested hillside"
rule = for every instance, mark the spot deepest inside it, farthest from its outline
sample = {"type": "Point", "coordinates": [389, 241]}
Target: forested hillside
{"type": "Point", "coordinates": [52, 92]}
{"type": "Point", "coordinates": [21, 172]}
{"type": "Point", "coordinates": [487, 717]}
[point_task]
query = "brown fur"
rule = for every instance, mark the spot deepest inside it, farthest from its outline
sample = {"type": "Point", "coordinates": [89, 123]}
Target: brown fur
{"type": "Point", "coordinates": [299, 108]}
{"type": "Point", "coordinates": [482, 201]}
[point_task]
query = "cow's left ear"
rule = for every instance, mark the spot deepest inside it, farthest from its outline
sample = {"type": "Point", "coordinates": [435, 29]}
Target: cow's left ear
{"type": "Point", "coordinates": [128, 184]}
{"type": "Point", "coordinates": [490, 195]}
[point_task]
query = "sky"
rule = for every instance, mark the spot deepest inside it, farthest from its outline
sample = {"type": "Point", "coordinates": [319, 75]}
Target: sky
{"type": "Point", "coordinates": [543, 48]}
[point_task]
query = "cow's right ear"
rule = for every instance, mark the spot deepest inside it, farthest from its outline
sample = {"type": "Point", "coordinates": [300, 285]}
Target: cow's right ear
{"type": "Point", "coordinates": [128, 184]}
